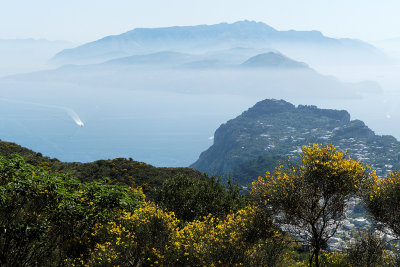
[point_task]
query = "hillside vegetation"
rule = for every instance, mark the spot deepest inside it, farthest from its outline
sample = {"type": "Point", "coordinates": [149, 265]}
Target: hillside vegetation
{"type": "Point", "coordinates": [119, 170]}
{"type": "Point", "coordinates": [50, 218]}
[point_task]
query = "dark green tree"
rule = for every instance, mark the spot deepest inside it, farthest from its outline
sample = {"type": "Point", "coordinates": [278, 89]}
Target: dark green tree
{"type": "Point", "coordinates": [190, 198]}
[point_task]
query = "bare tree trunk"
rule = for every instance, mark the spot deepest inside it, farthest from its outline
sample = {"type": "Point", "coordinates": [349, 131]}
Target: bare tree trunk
{"type": "Point", "coordinates": [317, 250]}
{"type": "Point", "coordinates": [316, 244]}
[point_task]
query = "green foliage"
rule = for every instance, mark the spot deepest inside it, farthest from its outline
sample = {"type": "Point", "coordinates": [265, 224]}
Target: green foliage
{"type": "Point", "coordinates": [46, 218]}
{"type": "Point", "coordinates": [80, 209]}
{"type": "Point", "coordinates": [26, 195]}
{"type": "Point", "coordinates": [119, 171]}
{"type": "Point", "coordinates": [124, 171]}
{"type": "Point", "coordinates": [31, 157]}
{"type": "Point", "coordinates": [193, 198]}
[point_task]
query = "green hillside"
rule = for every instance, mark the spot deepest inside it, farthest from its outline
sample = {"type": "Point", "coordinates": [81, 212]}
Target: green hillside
{"type": "Point", "coordinates": [120, 170]}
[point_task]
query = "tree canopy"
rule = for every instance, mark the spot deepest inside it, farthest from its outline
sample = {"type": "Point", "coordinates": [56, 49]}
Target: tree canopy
{"type": "Point", "coordinates": [193, 198]}
{"type": "Point", "coordinates": [309, 199]}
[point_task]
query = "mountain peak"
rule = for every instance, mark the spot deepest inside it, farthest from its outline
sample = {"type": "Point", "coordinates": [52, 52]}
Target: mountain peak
{"type": "Point", "coordinates": [273, 60]}
{"type": "Point", "coordinates": [252, 23]}
{"type": "Point", "coordinates": [268, 106]}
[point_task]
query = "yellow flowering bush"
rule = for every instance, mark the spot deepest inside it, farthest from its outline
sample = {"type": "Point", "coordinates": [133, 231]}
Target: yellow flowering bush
{"type": "Point", "coordinates": [309, 199]}
{"type": "Point", "coordinates": [142, 237]}
{"type": "Point", "coordinates": [239, 239]}
{"type": "Point", "coordinates": [151, 237]}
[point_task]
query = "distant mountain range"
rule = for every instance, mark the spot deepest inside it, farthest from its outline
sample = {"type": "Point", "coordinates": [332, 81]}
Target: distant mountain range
{"type": "Point", "coordinates": [252, 143]}
{"type": "Point", "coordinates": [266, 71]}
{"type": "Point", "coordinates": [270, 60]}
{"type": "Point", "coordinates": [206, 38]}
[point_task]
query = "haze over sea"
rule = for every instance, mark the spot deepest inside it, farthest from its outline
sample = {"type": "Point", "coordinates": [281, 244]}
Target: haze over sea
{"type": "Point", "coordinates": [165, 115]}
{"type": "Point", "coordinates": [167, 127]}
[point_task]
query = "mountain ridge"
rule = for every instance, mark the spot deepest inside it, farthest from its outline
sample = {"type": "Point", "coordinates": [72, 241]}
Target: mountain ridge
{"type": "Point", "coordinates": [203, 38]}
{"type": "Point", "coordinates": [276, 128]}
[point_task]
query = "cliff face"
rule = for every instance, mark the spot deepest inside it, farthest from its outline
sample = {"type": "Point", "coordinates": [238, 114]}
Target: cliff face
{"type": "Point", "coordinates": [276, 128]}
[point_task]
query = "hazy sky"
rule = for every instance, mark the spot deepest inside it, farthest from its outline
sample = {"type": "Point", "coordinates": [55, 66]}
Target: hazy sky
{"type": "Point", "coordinates": [86, 20]}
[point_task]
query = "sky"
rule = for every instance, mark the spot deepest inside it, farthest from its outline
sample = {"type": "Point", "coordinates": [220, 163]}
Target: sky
{"type": "Point", "coordinates": [81, 21]}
